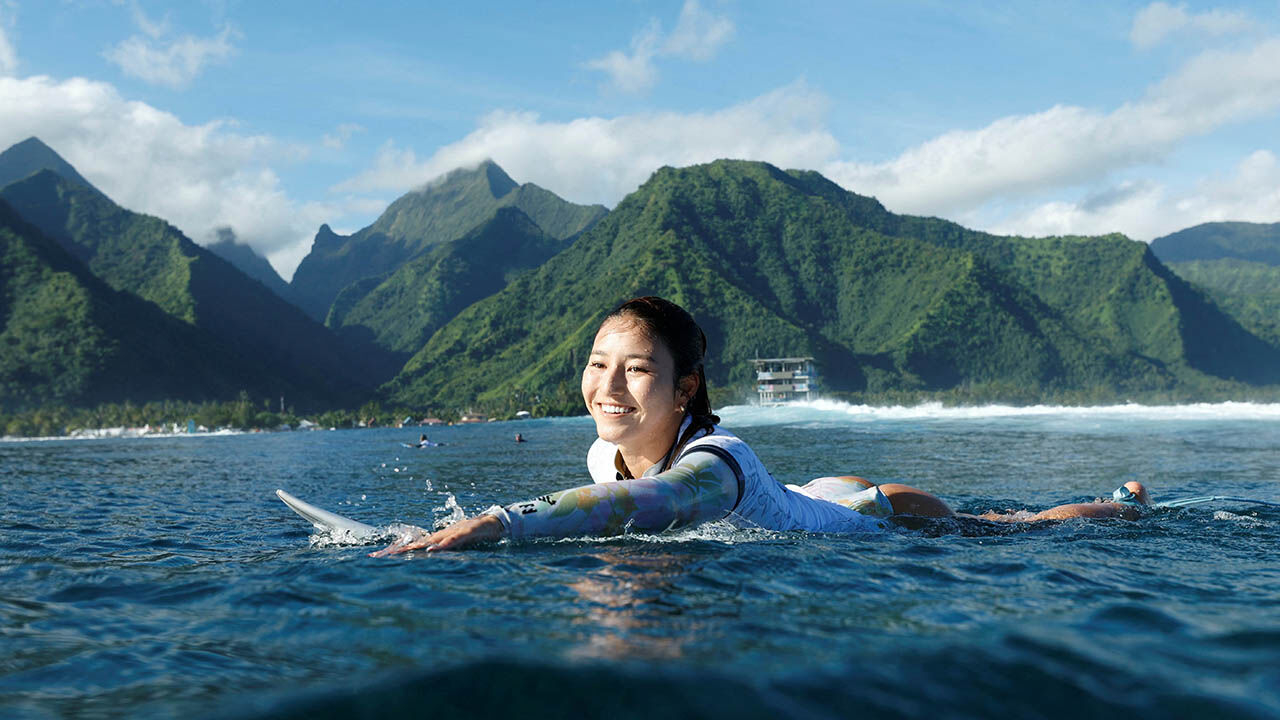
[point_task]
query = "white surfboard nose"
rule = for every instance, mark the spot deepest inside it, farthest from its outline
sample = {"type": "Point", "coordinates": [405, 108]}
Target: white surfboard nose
{"type": "Point", "coordinates": [324, 520]}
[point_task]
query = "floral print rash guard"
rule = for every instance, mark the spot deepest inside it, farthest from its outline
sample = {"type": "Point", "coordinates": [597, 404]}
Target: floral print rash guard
{"type": "Point", "coordinates": [715, 476]}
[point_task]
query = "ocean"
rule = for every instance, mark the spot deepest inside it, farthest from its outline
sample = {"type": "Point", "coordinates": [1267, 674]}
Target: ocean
{"type": "Point", "coordinates": [161, 578]}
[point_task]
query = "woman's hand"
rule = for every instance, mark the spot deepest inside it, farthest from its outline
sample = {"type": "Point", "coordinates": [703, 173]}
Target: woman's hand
{"type": "Point", "coordinates": [481, 528]}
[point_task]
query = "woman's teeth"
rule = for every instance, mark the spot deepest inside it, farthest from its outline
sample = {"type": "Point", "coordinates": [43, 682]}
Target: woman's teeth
{"type": "Point", "coordinates": [615, 409]}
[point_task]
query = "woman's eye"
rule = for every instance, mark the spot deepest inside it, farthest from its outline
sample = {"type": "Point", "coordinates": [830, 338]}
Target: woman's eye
{"type": "Point", "coordinates": [637, 368]}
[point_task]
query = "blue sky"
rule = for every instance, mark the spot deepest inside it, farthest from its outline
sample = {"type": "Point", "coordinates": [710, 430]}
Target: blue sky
{"type": "Point", "coordinates": [272, 118]}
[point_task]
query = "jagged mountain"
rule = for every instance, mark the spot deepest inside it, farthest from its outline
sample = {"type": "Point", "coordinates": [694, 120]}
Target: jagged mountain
{"type": "Point", "coordinates": [247, 260]}
{"type": "Point", "coordinates": [67, 338]}
{"type": "Point", "coordinates": [402, 311]}
{"type": "Point", "coordinates": [148, 257]}
{"type": "Point", "coordinates": [775, 262]}
{"type": "Point", "coordinates": [443, 211]}
{"type": "Point", "coordinates": [31, 156]}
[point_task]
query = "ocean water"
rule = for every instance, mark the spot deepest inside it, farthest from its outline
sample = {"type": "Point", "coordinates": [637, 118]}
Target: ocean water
{"type": "Point", "coordinates": [160, 577]}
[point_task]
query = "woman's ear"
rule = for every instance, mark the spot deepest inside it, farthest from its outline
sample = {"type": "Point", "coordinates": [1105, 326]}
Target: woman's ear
{"type": "Point", "coordinates": [687, 388]}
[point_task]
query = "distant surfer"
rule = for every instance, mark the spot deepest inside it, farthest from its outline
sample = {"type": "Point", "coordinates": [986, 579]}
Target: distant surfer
{"type": "Point", "coordinates": [661, 461]}
{"type": "Point", "coordinates": [519, 438]}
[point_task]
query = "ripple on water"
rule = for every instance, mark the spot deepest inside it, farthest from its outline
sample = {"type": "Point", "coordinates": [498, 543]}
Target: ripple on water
{"type": "Point", "coordinates": [144, 578]}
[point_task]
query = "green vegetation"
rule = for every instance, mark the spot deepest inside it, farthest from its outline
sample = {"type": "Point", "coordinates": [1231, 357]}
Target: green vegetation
{"type": "Point", "coordinates": [276, 344]}
{"type": "Point", "coordinates": [1251, 242]}
{"type": "Point", "coordinates": [775, 262]}
{"type": "Point", "coordinates": [1237, 264]}
{"type": "Point", "coordinates": [401, 312]}
{"type": "Point", "coordinates": [483, 295]}
{"type": "Point", "coordinates": [69, 339]}
{"type": "Point", "coordinates": [441, 212]}
{"type": "Point", "coordinates": [244, 413]}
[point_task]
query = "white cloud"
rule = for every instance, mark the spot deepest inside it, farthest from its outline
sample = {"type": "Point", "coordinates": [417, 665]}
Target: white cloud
{"type": "Point", "coordinates": [8, 56]}
{"type": "Point", "coordinates": [198, 177]}
{"type": "Point", "coordinates": [1145, 211]}
{"type": "Point", "coordinates": [338, 140]}
{"type": "Point", "coordinates": [1065, 145]}
{"type": "Point", "coordinates": [173, 64]}
{"type": "Point", "coordinates": [154, 29]}
{"type": "Point", "coordinates": [632, 73]}
{"type": "Point", "coordinates": [602, 159]}
{"type": "Point", "coordinates": [1159, 20]}
{"type": "Point", "coordinates": [698, 36]}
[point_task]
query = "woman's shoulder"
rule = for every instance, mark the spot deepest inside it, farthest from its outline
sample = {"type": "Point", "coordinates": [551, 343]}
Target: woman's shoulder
{"type": "Point", "coordinates": [719, 437]}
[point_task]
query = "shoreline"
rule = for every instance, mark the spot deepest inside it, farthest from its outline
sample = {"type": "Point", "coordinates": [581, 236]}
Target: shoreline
{"type": "Point", "coordinates": [1235, 410]}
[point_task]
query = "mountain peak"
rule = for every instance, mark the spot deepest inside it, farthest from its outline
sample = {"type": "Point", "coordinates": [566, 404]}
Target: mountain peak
{"type": "Point", "coordinates": [486, 173]}
{"type": "Point", "coordinates": [500, 183]}
{"type": "Point", "coordinates": [31, 156]}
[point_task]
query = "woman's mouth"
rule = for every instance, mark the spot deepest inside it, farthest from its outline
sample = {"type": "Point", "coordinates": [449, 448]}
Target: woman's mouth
{"type": "Point", "coordinates": [608, 409]}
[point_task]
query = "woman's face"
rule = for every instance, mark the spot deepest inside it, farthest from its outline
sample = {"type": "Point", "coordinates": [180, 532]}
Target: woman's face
{"type": "Point", "coordinates": [629, 385]}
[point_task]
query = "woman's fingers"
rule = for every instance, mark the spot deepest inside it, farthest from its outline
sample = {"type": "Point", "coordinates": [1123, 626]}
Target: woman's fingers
{"type": "Point", "coordinates": [412, 540]}
{"type": "Point", "coordinates": [467, 532]}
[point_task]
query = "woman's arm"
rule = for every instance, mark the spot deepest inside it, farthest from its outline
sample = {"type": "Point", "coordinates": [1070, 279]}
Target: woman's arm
{"type": "Point", "coordinates": [701, 488]}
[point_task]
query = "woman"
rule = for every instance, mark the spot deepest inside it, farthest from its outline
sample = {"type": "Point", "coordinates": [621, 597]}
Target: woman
{"type": "Point", "coordinates": [661, 460]}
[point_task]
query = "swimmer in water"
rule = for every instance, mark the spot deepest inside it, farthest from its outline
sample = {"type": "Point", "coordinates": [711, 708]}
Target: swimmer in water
{"type": "Point", "coordinates": [661, 461]}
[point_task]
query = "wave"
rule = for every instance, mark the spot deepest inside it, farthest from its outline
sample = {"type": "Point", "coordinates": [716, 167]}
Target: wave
{"type": "Point", "coordinates": [119, 434]}
{"type": "Point", "coordinates": [837, 412]}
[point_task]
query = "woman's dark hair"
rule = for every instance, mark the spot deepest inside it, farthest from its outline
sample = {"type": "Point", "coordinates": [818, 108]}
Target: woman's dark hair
{"type": "Point", "coordinates": [671, 324]}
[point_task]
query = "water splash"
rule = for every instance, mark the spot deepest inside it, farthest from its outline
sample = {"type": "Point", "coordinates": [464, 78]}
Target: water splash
{"type": "Point", "coordinates": [455, 512]}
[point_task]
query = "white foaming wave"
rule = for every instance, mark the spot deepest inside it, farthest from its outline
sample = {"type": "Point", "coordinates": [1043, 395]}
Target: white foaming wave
{"type": "Point", "coordinates": [837, 412]}
{"type": "Point", "coordinates": [120, 434]}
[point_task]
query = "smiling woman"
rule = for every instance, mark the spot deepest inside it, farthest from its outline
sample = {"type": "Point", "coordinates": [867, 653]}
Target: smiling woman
{"type": "Point", "coordinates": [662, 461]}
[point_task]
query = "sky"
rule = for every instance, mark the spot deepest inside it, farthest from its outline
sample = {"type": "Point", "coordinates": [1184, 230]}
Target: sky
{"type": "Point", "coordinates": [1031, 118]}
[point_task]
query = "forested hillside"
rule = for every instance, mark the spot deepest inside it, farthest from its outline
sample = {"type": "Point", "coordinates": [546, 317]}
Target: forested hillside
{"type": "Point", "coordinates": [775, 262]}
{"type": "Point", "coordinates": [475, 291]}
{"type": "Point", "coordinates": [1237, 263]}
{"type": "Point", "coordinates": [441, 212]}
{"type": "Point", "coordinates": [69, 339]}
{"type": "Point", "coordinates": [402, 311]}
{"type": "Point", "coordinates": [142, 255]}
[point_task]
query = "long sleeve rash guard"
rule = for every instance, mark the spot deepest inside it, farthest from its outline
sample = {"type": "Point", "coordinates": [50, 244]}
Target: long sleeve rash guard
{"type": "Point", "coordinates": [716, 477]}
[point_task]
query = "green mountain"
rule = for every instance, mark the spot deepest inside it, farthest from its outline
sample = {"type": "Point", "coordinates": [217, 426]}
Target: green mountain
{"type": "Point", "coordinates": [1237, 263]}
{"type": "Point", "coordinates": [70, 339]}
{"type": "Point", "coordinates": [785, 263]}
{"type": "Point", "coordinates": [148, 257]}
{"type": "Point", "coordinates": [443, 211]}
{"type": "Point", "coordinates": [1251, 242]}
{"type": "Point", "coordinates": [402, 311]}
{"type": "Point", "coordinates": [31, 156]}
{"type": "Point", "coordinates": [247, 260]}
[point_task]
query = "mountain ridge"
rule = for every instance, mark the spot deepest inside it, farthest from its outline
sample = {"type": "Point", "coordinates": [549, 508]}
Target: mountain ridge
{"type": "Point", "coordinates": [440, 211]}
{"type": "Point", "coordinates": [69, 338]}
{"type": "Point", "coordinates": [782, 262]}
{"type": "Point", "coordinates": [148, 257]}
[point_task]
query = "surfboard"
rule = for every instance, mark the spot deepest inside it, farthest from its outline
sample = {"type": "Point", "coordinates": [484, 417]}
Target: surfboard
{"type": "Point", "coordinates": [325, 521]}
{"type": "Point", "coordinates": [1186, 502]}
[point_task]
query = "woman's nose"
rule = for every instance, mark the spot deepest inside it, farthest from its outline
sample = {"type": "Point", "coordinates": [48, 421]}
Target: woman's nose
{"type": "Point", "coordinates": [615, 380]}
